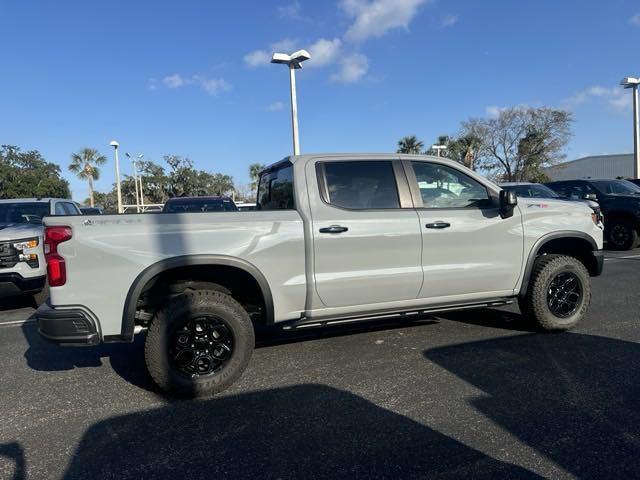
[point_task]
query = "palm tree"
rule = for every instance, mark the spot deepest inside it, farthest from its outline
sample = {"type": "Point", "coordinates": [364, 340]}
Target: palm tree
{"type": "Point", "coordinates": [410, 144]}
{"type": "Point", "coordinates": [85, 165]}
{"type": "Point", "coordinates": [254, 171]}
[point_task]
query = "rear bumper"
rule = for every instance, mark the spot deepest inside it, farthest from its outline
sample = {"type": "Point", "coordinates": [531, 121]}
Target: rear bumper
{"type": "Point", "coordinates": [598, 255]}
{"type": "Point", "coordinates": [67, 326]}
{"type": "Point", "coordinates": [12, 283]}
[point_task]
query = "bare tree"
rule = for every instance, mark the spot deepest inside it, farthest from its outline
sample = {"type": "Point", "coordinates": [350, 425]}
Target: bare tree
{"type": "Point", "coordinates": [518, 143]}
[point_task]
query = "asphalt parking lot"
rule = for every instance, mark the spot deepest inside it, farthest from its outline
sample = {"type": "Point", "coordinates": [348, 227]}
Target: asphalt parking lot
{"type": "Point", "coordinates": [466, 395]}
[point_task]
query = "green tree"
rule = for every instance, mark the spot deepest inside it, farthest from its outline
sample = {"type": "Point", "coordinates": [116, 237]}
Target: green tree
{"type": "Point", "coordinates": [254, 172]}
{"type": "Point", "coordinates": [410, 144]}
{"type": "Point", "coordinates": [462, 149]}
{"type": "Point", "coordinates": [28, 174]}
{"type": "Point", "coordinates": [85, 165]}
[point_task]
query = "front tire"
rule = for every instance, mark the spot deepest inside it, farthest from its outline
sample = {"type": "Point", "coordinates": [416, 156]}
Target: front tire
{"type": "Point", "coordinates": [622, 235]}
{"type": "Point", "coordinates": [199, 343]}
{"type": "Point", "coordinates": [559, 293]}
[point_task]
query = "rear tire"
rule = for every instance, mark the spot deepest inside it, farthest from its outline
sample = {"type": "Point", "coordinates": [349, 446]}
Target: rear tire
{"type": "Point", "coordinates": [622, 235]}
{"type": "Point", "coordinates": [559, 293]}
{"type": "Point", "coordinates": [181, 346]}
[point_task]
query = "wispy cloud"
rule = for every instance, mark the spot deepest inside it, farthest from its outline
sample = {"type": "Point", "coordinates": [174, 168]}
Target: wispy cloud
{"type": "Point", "coordinates": [352, 69]}
{"type": "Point", "coordinates": [276, 106]}
{"type": "Point", "coordinates": [211, 86]}
{"type": "Point", "coordinates": [173, 81]}
{"type": "Point", "coordinates": [635, 20]}
{"type": "Point", "coordinates": [324, 52]}
{"type": "Point", "coordinates": [494, 111]}
{"type": "Point", "coordinates": [368, 19]}
{"type": "Point", "coordinates": [291, 11]}
{"type": "Point", "coordinates": [615, 97]}
{"type": "Point", "coordinates": [262, 57]}
{"type": "Point", "coordinates": [449, 20]}
{"type": "Point", "coordinates": [374, 18]}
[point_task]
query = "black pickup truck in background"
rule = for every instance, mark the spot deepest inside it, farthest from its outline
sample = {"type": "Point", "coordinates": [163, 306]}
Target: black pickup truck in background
{"type": "Point", "coordinates": [620, 204]}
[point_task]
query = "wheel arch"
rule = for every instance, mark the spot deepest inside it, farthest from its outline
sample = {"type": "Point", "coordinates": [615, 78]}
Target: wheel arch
{"type": "Point", "coordinates": [575, 243]}
{"type": "Point", "coordinates": [153, 271]}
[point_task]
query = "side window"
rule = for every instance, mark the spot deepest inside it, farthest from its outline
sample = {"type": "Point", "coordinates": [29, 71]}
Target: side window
{"type": "Point", "coordinates": [360, 185]}
{"type": "Point", "coordinates": [70, 209]}
{"type": "Point", "coordinates": [445, 187]}
{"type": "Point", "coordinates": [576, 191]}
{"type": "Point", "coordinates": [275, 191]}
{"type": "Point", "coordinates": [60, 209]}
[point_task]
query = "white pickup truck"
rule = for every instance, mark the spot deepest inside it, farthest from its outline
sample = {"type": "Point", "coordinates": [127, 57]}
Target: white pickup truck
{"type": "Point", "coordinates": [335, 238]}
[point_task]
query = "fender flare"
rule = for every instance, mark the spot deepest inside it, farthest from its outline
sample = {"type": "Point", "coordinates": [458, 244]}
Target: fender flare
{"type": "Point", "coordinates": [542, 241]}
{"type": "Point", "coordinates": [129, 310]}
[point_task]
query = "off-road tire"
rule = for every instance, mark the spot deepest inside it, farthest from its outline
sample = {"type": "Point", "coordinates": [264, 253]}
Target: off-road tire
{"type": "Point", "coordinates": [193, 304]}
{"type": "Point", "coordinates": [630, 237]}
{"type": "Point", "coordinates": [534, 305]}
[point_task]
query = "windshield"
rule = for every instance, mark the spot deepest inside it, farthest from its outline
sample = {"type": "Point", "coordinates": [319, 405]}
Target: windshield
{"type": "Point", "coordinates": [616, 186]}
{"type": "Point", "coordinates": [20, 212]}
{"type": "Point", "coordinates": [534, 190]}
{"type": "Point", "coordinates": [200, 205]}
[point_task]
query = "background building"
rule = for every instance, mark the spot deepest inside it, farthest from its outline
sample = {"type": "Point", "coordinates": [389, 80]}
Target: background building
{"type": "Point", "coordinates": [596, 166]}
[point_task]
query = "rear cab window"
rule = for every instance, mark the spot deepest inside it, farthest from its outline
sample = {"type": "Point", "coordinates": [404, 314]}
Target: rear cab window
{"type": "Point", "coordinates": [275, 190]}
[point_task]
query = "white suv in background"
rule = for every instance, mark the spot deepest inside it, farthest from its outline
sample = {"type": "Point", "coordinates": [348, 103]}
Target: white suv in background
{"type": "Point", "coordinates": [22, 263]}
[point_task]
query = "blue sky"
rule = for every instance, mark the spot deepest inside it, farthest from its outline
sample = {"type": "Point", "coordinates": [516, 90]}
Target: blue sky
{"type": "Point", "coordinates": [191, 77]}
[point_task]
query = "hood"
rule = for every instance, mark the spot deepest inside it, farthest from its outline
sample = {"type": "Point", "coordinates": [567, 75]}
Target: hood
{"type": "Point", "coordinates": [18, 231]}
{"type": "Point", "coordinates": [538, 204]}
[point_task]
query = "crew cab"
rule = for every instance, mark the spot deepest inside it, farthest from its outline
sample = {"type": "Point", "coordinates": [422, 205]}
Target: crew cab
{"type": "Point", "coordinates": [620, 204]}
{"type": "Point", "coordinates": [335, 238]}
{"type": "Point", "coordinates": [22, 262]}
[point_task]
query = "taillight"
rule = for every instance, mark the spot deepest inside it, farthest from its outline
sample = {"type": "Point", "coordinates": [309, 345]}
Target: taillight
{"type": "Point", "coordinates": [56, 270]}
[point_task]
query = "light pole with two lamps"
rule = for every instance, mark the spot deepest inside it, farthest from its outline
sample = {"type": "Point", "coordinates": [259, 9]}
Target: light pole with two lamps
{"type": "Point", "coordinates": [632, 83]}
{"type": "Point", "coordinates": [294, 62]}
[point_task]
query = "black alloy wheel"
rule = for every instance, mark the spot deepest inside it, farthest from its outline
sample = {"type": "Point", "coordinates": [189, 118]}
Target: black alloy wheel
{"type": "Point", "coordinates": [201, 346]}
{"type": "Point", "coordinates": [564, 295]}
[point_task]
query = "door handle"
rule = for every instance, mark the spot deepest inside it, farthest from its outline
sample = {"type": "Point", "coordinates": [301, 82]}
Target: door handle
{"type": "Point", "coordinates": [333, 229]}
{"type": "Point", "coordinates": [438, 225]}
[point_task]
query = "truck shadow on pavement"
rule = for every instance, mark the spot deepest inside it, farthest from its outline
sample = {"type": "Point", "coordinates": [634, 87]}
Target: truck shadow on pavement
{"type": "Point", "coordinates": [15, 454]}
{"type": "Point", "coordinates": [574, 398]}
{"type": "Point", "coordinates": [126, 359]}
{"type": "Point", "coordinates": [306, 431]}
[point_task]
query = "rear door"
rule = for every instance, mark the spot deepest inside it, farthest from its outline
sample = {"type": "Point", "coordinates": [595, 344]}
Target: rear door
{"type": "Point", "coordinates": [367, 239]}
{"type": "Point", "coordinates": [469, 251]}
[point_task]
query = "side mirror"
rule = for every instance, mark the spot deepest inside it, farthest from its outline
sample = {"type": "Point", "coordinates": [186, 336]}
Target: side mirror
{"type": "Point", "coordinates": [590, 196]}
{"type": "Point", "coordinates": [508, 201]}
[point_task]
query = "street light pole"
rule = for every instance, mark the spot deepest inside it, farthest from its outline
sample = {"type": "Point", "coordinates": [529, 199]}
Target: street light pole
{"type": "Point", "coordinates": [135, 182]}
{"type": "Point", "coordinates": [140, 178]}
{"type": "Point", "coordinates": [294, 62]}
{"type": "Point", "coordinates": [632, 83]}
{"type": "Point", "coordinates": [294, 109]}
{"type": "Point", "coordinates": [115, 146]}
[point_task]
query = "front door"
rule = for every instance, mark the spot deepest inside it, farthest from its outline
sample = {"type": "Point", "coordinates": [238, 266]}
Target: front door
{"type": "Point", "coordinates": [367, 242]}
{"type": "Point", "coordinates": [469, 251]}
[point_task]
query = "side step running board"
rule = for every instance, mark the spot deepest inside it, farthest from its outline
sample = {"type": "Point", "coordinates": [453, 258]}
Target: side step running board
{"type": "Point", "coordinates": [305, 322]}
